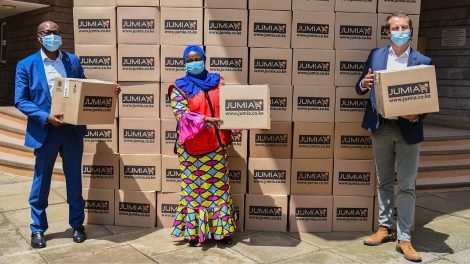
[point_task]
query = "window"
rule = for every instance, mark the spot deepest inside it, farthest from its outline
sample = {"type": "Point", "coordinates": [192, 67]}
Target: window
{"type": "Point", "coordinates": [3, 44]}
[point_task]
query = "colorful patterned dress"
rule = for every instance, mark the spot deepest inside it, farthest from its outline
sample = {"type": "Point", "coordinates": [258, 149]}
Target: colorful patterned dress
{"type": "Point", "coordinates": [205, 210]}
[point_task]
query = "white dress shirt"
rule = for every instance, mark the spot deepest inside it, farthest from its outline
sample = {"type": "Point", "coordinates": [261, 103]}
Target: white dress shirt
{"type": "Point", "coordinates": [53, 69]}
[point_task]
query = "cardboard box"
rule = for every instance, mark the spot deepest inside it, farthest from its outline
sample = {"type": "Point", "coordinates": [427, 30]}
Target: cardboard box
{"type": "Point", "coordinates": [138, 25]}
{"type": "Point", "coordinates": [225, 27]}
{"type": "Point", "coordinates": [94, 25]}
{"type": "Point", "coordinates": [181, 3]}
{"type": "Point", "coordinates": [266, 212]}
{"type": "Point", "coordinates": [171, 174]}
{"type": "Point", "coordinates": [314, 5]}
{"type": "Point", "coordinates": [239, 4]}
{"type": "Point", "coordinates": [390, 6]}
{"type": "Point", "coordinates": [269, 176]}
{"type": "Point", "coordinates": [137, 2]}
{"type": "Point", "coordinates": [349, 66]}
{"type": "Point", "coordinates": [101, 139]}
{"type": "Point", "coordinates": [138, 99]}
{"type": "Point", "coordinates": [98, 61]}
{"type": "Point", "coordinates": [141, 172]}
{"type": "Point", "coordinates": [270, 66]}
{"type": "Point", "coordinates": [352, 142]}
{"type": "Point", "coordinates": [354, 177]}
{"type": "Point", "coordinates": [406, 92]}
{"type": "Point", "coordinates": [100, 171]}
{"type": "Point", "coordinates": [353, 213]}
{"type": "Point", "coordinates": [313, 67]}
{"type": "Point", "coordinates": [382, 31]}
{"type": "Point", "coordinates": [281, 102]}
{"type": "Point", "coordinates": [134, 208]}
{"type": "Point", "coordinates": [312, 177]}
{"type": "Point", "coordinates": [181, 26]}
{"type": "Point", "coordinates": [350, 106]}
{"type": "Point", "coordinates": [313, 140]}
{"type": "Point", "coordinates": [270, 29]}
{"type": "Point", "coordinates": [230, 62]}
{"type": "Point", "coordinates": [172, 63]}
{"type": "Point", "coordinates": [270, 5]}
{"type": "Point", "coordinates": [168, 136]}
{"type": "Point", "coordinates": [313, 104]}
{"type": "Point", "coordinates": [359, 6]}
{"type": "Point", "coordinates": [237, 173]}
{"type": "Point", "coordinates": [272, 143]}
{"type": "Point", "coordinates": [167, 206]}
{"type": "Point", "coordinates": [239, 146]}
{"type": "Point", "coordinates": [84, 101]}
{"type": "Point", "coordinates": [139, 135]}
{"type": "Point", "coordinates": [88, 3]}
{"type": "Point", "coordinates": [238, 201]}
{"type": "Point", "coordinates": [313, 30]}
{"type": "Point", "coordinates": [99, 206]}
{"type": "Point", "coordinates": [139, 63]}
{"type": "Point", "coordinates": [311, 213]}
{"type": "Point", "coordinates": [165, 104]}
{"type": "Point", "coordinates": [355, 31]}
{"type": "Point", "coordinates": [245, 107]}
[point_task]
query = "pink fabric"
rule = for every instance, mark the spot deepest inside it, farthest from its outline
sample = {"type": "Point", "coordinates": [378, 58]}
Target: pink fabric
{"type": "Point", "coordinates": [189, 125]}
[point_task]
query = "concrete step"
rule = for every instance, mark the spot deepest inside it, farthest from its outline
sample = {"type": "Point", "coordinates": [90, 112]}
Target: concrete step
{"type": "Point", "coordinates": [24, 166]}
{"type": "Point", "coordinates": [443, 179]}
{"type": "Point", "coordinates": [459, 143]}
{"type": "Point", "coordinates": [433, 133]}
{"type": "Point", "coordinates": [444, 165]}
{"type": "Point", "coordinates": [12, 114]}
{"type": "Point", "coordinates": [11, 145]}
{"type": "Point", "coordinates": [448, 149]}
{"type": "Point", "coordinates": [449, 157]}
{"type": "Point", "coordinates": [12, 128]}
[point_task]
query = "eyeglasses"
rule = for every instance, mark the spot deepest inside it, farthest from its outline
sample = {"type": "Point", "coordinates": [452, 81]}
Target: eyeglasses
{"type": "Point", "coordinates": [49, 32]}
{"type": "Point", "coordinates": [193, 60]}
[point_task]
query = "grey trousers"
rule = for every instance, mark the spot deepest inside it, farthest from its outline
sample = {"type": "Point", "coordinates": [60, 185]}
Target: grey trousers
{"type": "Point", "coordinates": [389, 148]}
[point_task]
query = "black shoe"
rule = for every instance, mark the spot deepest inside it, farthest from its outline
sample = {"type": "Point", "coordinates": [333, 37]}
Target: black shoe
{"type": "Point", "coordinates": [226, 240]}
{"type": "Point", "coordinates": [38, 240]}
{"type": "Point", "coordinates": [79, 235]}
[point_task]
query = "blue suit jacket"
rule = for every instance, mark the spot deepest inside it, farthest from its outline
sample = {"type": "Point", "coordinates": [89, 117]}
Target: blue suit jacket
{"type": "Point", "coordinates": [33, 98]}
{"type": "Point", "coordinates": [377, 60]}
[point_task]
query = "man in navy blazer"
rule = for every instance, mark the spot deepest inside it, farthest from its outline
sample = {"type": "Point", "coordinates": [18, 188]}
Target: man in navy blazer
{"type": "Point", "coordinates": [394, 140]}
{"type": "Point", "coordinates": [47, 134]}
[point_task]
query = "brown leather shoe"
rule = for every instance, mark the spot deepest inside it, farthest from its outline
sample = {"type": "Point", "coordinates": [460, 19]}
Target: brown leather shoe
{"type": "Point", "coordinates": [382, 235]}
{"type": "Point", "coordinates": [408, 251]}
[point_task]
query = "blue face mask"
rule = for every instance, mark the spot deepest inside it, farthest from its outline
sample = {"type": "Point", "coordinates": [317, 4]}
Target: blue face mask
{"type": "Point", "coordinates": [195, 67]}
{"type": "Point", "coordinates": [52, 42]}
{"type": "Point", "coordinates": [400, 38]}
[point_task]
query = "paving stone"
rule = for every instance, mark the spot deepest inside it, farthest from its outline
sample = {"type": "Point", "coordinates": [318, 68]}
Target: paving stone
{"type": "Point", "coordinates": [55, 213]}
{"type": "Point", "coordinates": [20, 201]}
{"type": "Point", "coordinates": [264, 247]}
{"type": "Point", "coordinates": [60, 233]}
{"type": "Point", "coordinates": [202, 255]}
{"type": "Point", "coordinates": [55, 253]}
{"type": "Point", "coordinates": [443, 205]}
{"type": "Point", "coordinates": [26, 258]}
{"type": "Point", "coordinates": [12, 242]}
{"type": "Point", "coordinates": [329, 240]}
{"type": "Point", "coordinates": [322, 256]}
{"type": "Point", "coordinates": [154, 241]}
{"type": "Point", "coordinates": [10, 178]}
{"type": "Point", "coordinates": [124, 229]}
{"type": "Point", "coordinates": [459, 257]}
{"type": "Point", "coordinates": [462, 197]}
{"type": "Point", "coordinates": [424, 215]}
{"type": "Point", "coordinates": [122, 254]}
{"type": "Point", "coordinates": [62, 192]}
{"type": "Point", "coordinates": [443, 261]}
{"type": "Point", "coordinates": [15, 188]}
{"type": "Point", "coordinates": [4, 223]}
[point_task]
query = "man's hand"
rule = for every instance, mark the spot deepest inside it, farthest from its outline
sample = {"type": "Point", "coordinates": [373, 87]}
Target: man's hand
{"type": "Point", "coordinates": [411, 117]}
{"type": "Point", "coordinates": [217, 122]}
{"type": "Point", "coordinates": [368, 80]}
{"type": "Point", "coordinates": [118, 89]}
{"type": "Point", "coordinates": [55, 120]}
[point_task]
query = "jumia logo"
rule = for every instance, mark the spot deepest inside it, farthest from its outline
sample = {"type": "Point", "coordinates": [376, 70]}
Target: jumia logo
{"type": "Point", "coordinates": [313, 101]}
{"type": "Point", "coordinates": [356, 140]}
{"type": "Point", "coordinates": [313, 66]}
{"type": "Point", "coordinates": [265, 64]}
{"type": "Point", "coordinates": [351, 212]}
{"type": "Point", "coordinates": [270, 174]}
{"type": "Point", "coordinates": [172, 173]}
{"type": "Point", "coordinates": [311, 212]}
{"type": "Point", "coordinates": [313, 176]}
{"type": "Point", "coordinates": [278, 102]}
{"type": "Point", "coordinates": [354, 176]}
{"type": "Point", "coordinates": [244, 105]}
{"type": "Point", "coordinates": [181, 24]}
{"type": "Point", "coordinates": [169, 208]}
{"type": "Point", "coordinates": [304, 28]}
{"type": "Point", "coordinates": [353, 103]}
{"type": "Point", "coordinates": [99, 133]}
{"type": "Point", "coordinates": [147, 99]}
{"type": "Point", "coordinates": [265, 211]}
{"type": "Point", "coordinates": [314, 139]}
{"type": "Point", "coordinates": [221, 25]}
{"type": "Point", "coordinates": [139, 170]}
{"type": "Point", "coordinates": [171, 135]}
{"type": "Point", "coordinates": [352, 66]}
{"type": "Point", "coordinates": [138, 61]}
{"type": "Point", "coordinates": [94, 23]}
{"type": "Point", "coordinates": [349, 30]}
{"type": "Point", "coordinates": [271, 138]}
{"type": "Point", "coordinates": [97, 101]}
{"type": "Point", "coordinates": [226, 62]}
{"type": "Point", "coordinates": [98, 170]}
{"type": "Point", "coordinates": [270, 28]}
{"type": "Point", "coordinates": [138, 24]}
{"type": "Point", "coordinates": [139, 134]}
{"type": "Point", "coordinates": [96, 205]}
{"type": "Point", "coordinates": [235, 175]}
{"type": "Point", "coordinates": [95, 60]}
{"type": "Point", "coordinates": [409, 89]}
{"type": "Point", "coordinates": [134, 207]}
{"type": "Point", "coordinates": [174, 62]}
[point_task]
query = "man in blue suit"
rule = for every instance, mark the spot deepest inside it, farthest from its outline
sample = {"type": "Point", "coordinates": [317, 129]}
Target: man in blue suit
{"type": "Point", "coordinates": [47, 134]}
{"type": "Point", "coordinates": [394, 140]}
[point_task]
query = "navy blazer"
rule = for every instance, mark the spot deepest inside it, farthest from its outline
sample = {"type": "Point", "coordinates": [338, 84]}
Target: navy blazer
{"type": "Point", "coordinates": [412, 132]}
{"type": "Point", "coordinates": [33, 98]}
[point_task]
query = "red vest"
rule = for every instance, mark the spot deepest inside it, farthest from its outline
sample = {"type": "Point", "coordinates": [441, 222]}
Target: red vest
{"type": "Point", "coordinates": [210, 138]}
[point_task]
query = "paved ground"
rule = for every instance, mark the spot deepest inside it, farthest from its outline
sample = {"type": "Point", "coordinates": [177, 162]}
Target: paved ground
{"type": "Point", "coordinates": [442, 235]}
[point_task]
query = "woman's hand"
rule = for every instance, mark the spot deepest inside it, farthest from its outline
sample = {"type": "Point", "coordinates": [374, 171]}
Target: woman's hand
{"type": "Point", "coordinates": [216, 121]}
{"type": "Point", "coordinates": [236, 132]}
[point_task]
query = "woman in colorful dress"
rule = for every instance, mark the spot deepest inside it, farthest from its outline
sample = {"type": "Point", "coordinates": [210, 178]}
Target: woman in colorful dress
{"type": "Point", "coordinates": [205, 209]}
